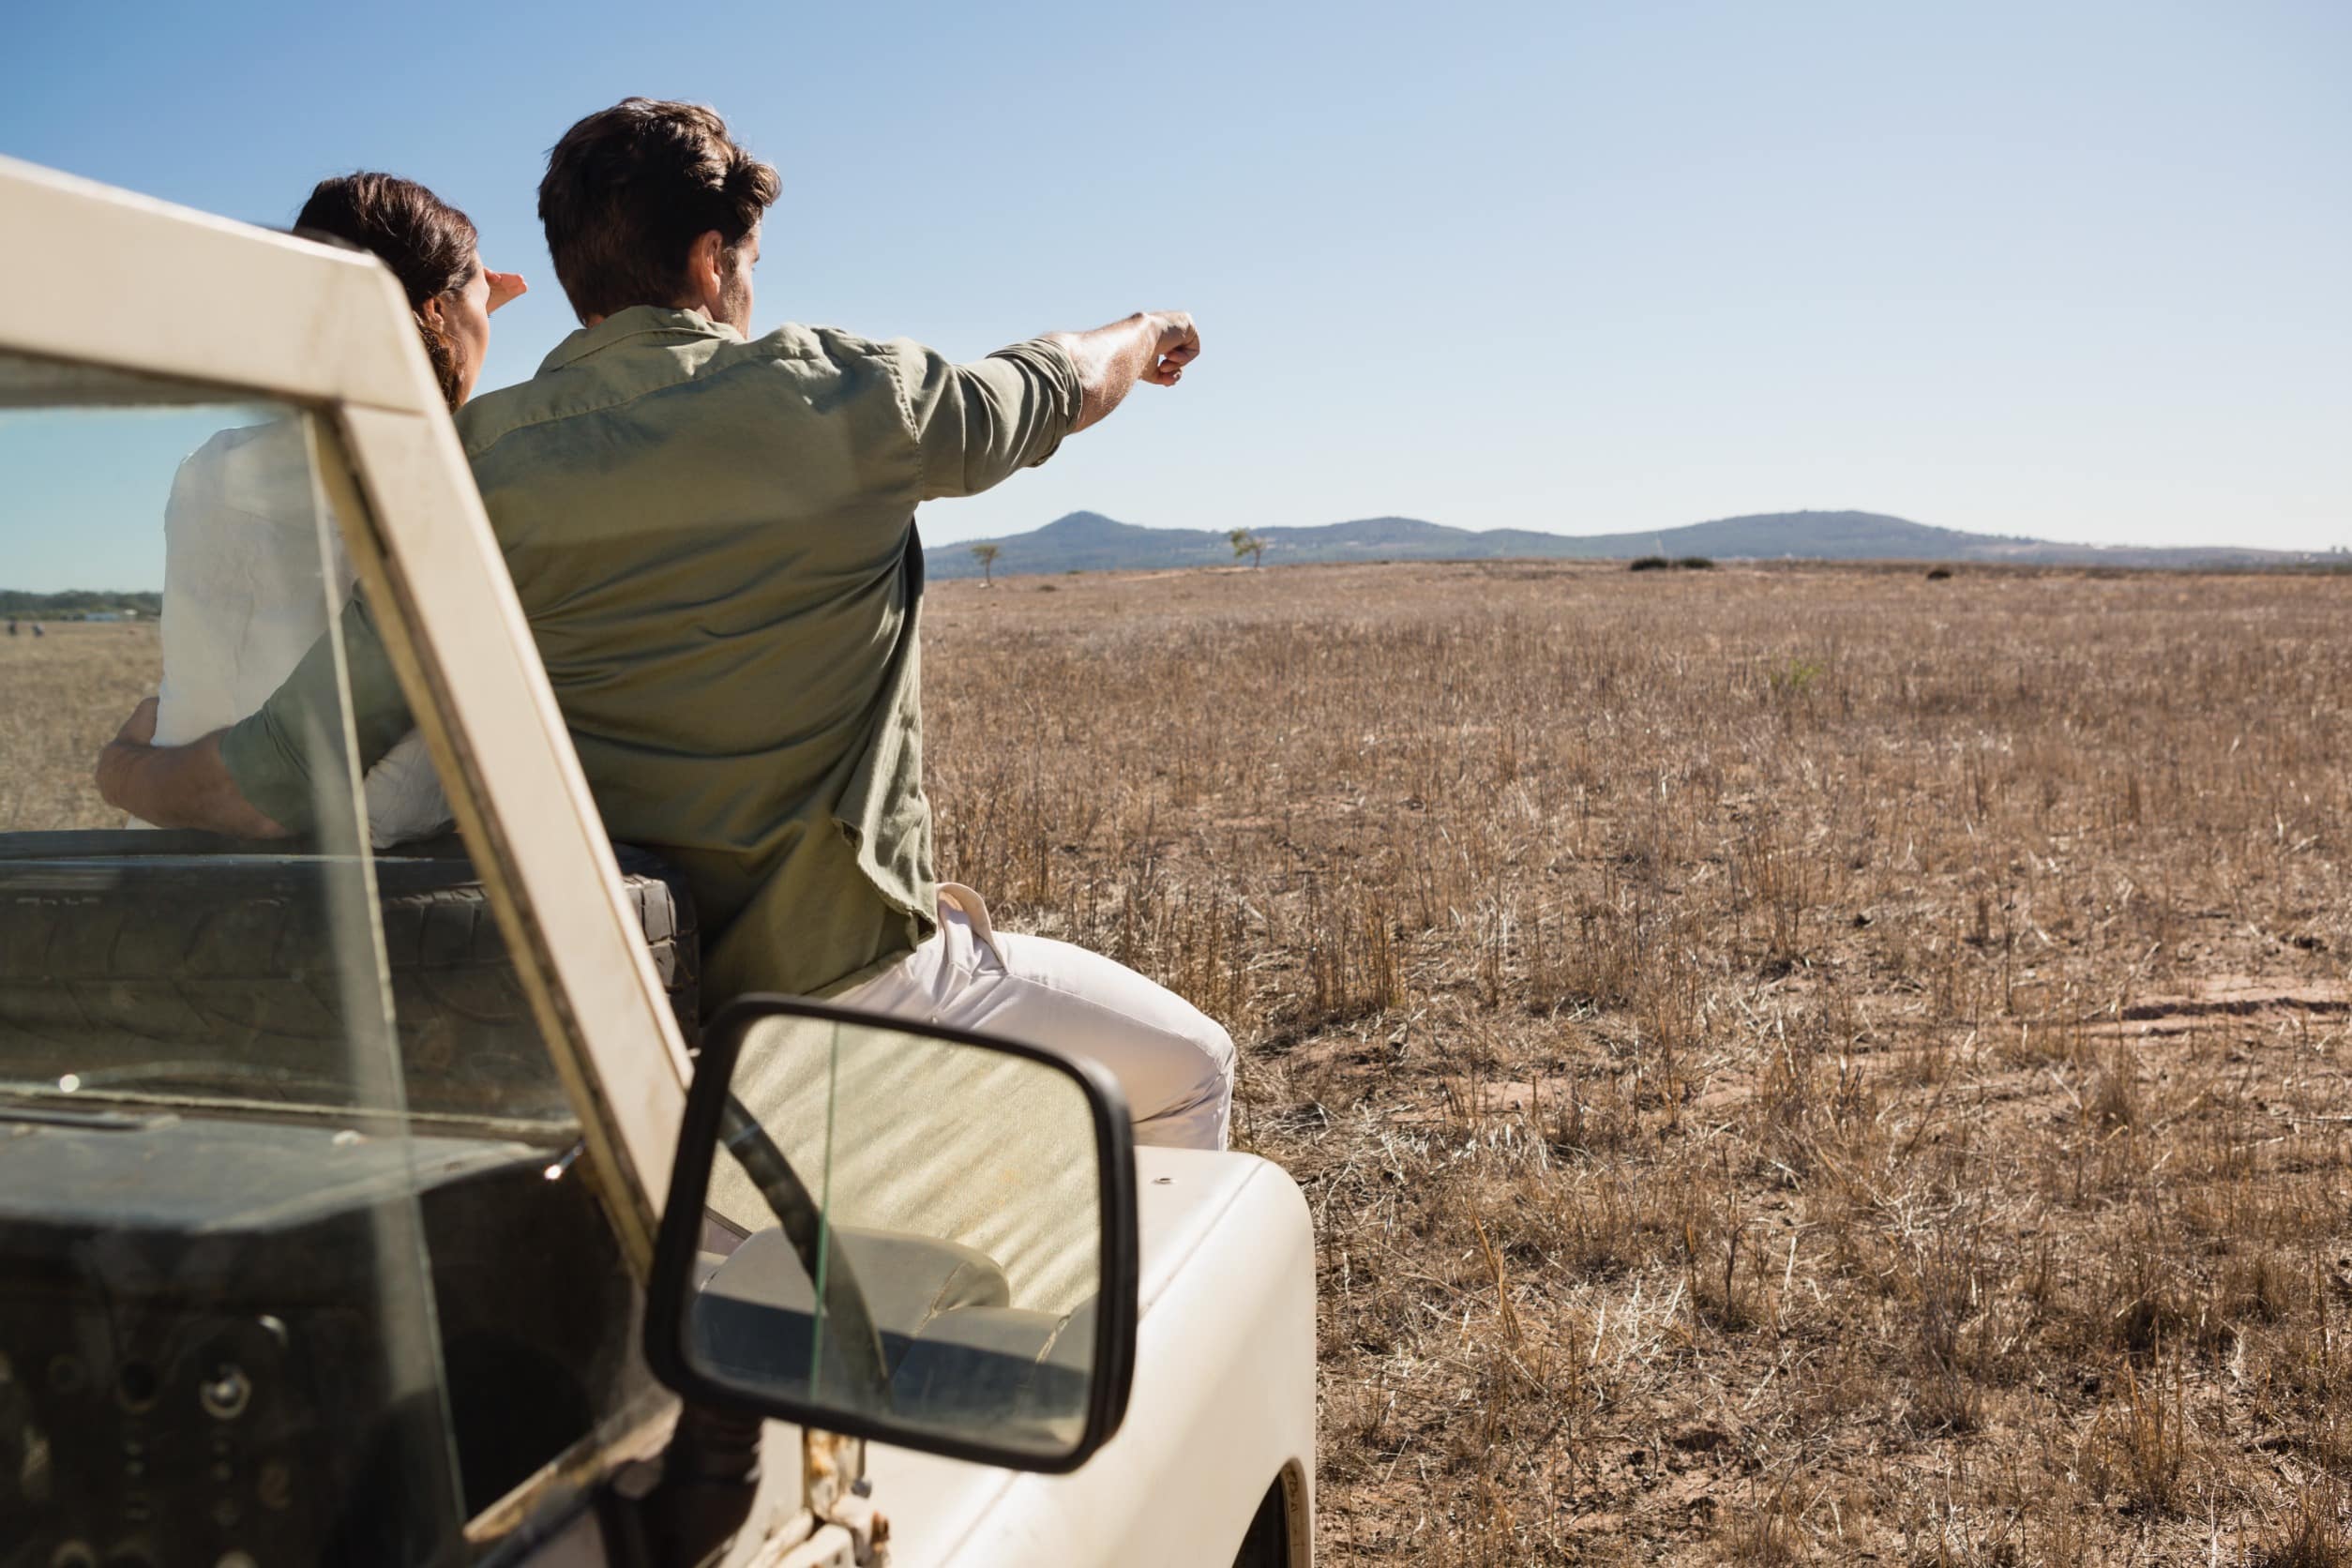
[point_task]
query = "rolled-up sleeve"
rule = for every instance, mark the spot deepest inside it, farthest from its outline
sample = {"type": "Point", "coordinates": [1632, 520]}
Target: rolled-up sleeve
{"type": "Point", "coordinates": [978, 424]}
{"type": "Point", "coordinates": [273, 753]}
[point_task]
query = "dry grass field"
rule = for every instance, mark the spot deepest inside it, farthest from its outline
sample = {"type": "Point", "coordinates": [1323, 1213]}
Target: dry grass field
{"type": "Point", "coordinates": [62, 696]}
{"type": "Point", "coordinates": [1790, 1065]}
{"type": "Point", "coordinates": [1787, 1066]}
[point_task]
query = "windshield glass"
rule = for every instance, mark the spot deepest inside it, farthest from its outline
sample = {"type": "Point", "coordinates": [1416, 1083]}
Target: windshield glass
{"type": "Point", "coordinates": [217, 1330]}
{"type": "Point", "coordinates": [155, 546]}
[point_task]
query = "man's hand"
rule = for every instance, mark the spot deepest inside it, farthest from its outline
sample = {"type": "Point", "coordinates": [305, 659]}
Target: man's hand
{"type": "Point", "coordinates": [1150, 345]}
{"type": "Point", "coordinates": [1179, 345]}
{"type": "Point", "coordinates": [120, 761]}
{"type": "Point", "coordinates": [176, 786]}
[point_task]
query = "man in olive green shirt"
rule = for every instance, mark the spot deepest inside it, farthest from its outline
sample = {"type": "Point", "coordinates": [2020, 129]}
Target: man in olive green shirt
{"type": "Point", "coordinates": [713, 537]}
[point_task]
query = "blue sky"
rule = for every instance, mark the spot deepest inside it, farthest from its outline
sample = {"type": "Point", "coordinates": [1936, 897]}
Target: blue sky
{"type": "Point", "coordinates": [2077, 271]}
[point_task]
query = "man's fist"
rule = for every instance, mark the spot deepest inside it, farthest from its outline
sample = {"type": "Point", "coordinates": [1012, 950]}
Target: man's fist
{"type": "Point", "coordinates": [1109, 365]}
{"type": "Point", "coordinates": [1179, 345]}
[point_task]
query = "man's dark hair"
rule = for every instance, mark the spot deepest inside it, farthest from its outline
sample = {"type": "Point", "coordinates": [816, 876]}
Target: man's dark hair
{"type": "Point", "coordinates": [430, 245]}
{"type": "Point", "coordinates": [630, 188]}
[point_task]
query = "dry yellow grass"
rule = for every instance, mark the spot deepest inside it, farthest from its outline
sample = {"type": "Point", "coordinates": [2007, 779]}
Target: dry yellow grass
{"type": "Point", "coordinates": [63, 695]}
{"type": "Point", "coordinates": [1787, 1065]}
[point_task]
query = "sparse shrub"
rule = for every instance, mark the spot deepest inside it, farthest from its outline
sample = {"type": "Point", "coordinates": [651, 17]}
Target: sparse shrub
{"type": "Point", "coordinates": [2312, 1537]}
{"type": "Point", "coordinates": [1649, 564]}
{"type": "Point", "coordinates": [1950, 1273]}
{"type": "Point", "coordinates": [1762, 1532]}
{"type": "Point", "coordinates": [2141, 1443]}
{"type": "Point", "coordinates": [2115, 1101]}
{"type": "Point", "coordinates": [1938, 574]}
{"type": "Point", "coordinates": [1696, 564]}
{"type": "Point", "coordinates": [1795, 677]}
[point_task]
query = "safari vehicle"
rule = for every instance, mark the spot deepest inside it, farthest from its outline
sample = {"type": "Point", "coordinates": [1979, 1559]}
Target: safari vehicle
{"type": "Point", "coordinates": [397, 1208]}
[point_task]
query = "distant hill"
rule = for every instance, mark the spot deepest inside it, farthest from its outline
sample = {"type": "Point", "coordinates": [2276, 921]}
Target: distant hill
{"type": "Point", "coordinates": [1090, 542]}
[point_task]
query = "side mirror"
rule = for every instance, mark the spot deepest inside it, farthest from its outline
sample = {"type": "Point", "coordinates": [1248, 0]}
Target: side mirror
{"type": "Point", "coordinates": [900, 1231]}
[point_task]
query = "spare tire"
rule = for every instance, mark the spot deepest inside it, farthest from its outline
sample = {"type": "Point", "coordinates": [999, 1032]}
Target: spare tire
{"type": "Point", "coordinates": [185, 963]}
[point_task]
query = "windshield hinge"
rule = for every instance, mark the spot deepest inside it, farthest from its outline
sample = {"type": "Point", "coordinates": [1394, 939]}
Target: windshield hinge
{"type": "Point", "coordinates": [838, 1493]}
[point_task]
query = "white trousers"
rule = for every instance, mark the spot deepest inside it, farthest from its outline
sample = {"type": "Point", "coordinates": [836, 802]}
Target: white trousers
{"type": "Point", "coordinates": [1175, 1064]}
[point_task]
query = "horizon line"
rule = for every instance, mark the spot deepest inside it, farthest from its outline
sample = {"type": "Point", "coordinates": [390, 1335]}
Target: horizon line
{"type": "Point", "coordinates": [2307, 552]}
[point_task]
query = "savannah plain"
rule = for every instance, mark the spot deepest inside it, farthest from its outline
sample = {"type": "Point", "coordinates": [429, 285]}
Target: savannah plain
{"type": "Point", "coordinates": [1797, 1064]}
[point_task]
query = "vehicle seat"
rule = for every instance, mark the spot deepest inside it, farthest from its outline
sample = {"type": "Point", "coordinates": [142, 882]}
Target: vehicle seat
{"type": "Point", "coordinates": [118, 946]}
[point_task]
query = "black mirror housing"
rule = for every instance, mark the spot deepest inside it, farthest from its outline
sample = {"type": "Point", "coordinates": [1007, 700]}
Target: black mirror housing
{"type": "Point", "coordinates": [887, 1228]}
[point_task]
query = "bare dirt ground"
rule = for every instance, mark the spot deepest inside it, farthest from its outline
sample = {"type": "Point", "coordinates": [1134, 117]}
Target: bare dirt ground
{"type": "Point", "coordinates": [1792, 1064]}
{"type": "Point", "coordinates": [1800, 1064]}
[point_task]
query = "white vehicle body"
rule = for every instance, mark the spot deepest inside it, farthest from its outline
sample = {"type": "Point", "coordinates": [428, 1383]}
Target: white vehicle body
{"type": "Point", "coordinates": [1223, 1399]}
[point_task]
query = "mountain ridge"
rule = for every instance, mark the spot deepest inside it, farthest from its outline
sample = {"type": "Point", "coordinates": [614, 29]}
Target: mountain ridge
{"type": "Point", "coordinates": [1089, 541]}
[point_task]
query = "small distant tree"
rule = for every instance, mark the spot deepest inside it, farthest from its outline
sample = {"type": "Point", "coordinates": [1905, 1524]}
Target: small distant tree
{"type": "Point", "coordinates": [1246, 543]}
{"type": "Point", "coordinates": [985, 555]}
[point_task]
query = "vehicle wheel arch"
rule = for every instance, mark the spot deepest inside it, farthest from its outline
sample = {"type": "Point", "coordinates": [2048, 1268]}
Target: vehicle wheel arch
{"type": "Point", "coordinates": [1280, 1533]}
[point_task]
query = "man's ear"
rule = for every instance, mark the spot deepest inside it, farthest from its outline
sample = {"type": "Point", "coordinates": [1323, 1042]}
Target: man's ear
{"type": "Point", "coordinates": [706, 273]}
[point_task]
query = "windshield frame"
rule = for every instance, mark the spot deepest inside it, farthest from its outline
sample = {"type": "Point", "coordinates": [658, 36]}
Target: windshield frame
{"type": "Point", "coordinates": [339, 340]}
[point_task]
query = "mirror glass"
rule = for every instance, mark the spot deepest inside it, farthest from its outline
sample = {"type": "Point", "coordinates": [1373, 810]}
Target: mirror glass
{"type": "Point", "coordinates": [905, 1228]}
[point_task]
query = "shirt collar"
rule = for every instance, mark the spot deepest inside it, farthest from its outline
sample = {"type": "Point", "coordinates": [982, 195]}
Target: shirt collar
{"type": "Point", "coordinates": [637, 321]}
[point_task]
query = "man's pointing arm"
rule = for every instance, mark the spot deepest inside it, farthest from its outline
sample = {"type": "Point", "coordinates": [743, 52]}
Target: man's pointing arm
{"type": "Point", "coordinates": [979, 424]}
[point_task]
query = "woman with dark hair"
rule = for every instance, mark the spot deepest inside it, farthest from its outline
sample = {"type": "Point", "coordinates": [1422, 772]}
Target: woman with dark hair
{"type": "Point", "coordinates": [243, 595]}
{"type": "Point", "coordinates": [432, 248]}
